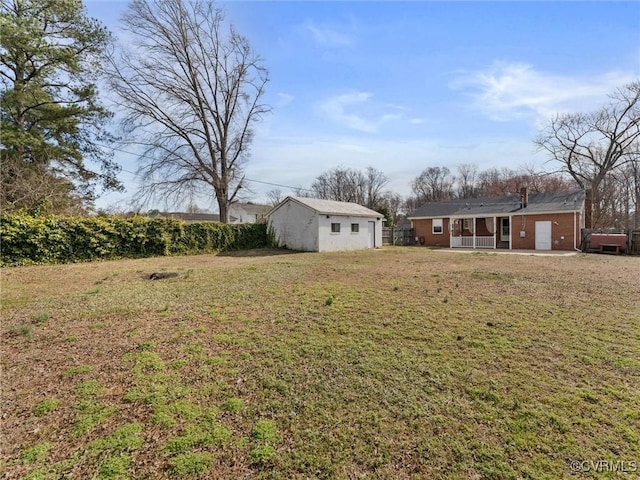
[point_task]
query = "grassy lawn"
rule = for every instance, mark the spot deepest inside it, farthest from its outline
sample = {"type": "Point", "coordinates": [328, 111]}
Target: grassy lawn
{"type": "Point", "coordinates": [397, 363]}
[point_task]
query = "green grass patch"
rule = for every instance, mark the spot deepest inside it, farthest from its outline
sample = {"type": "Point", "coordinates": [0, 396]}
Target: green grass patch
{"type": "Point", "coordinates": [124, 439]}
{"type": "Point", "coordinates": [115, 467]}
{"type": "Point", "coordinates": [46, 406]}
{"type": "Point", "coordinates": [79, 370]}
{"type": "Point", "coordinates": [36, 454]}
{"type": "Point", "coordinates": [25, 331]}
{"type": "Point", "coordinates": [40, 317]}
{"type": "Point", "coordinates": [190, 465]}
{"type": "Point", "coordinates": [89, 414]}
{"type": "Point", "coordinates": [233, 405]}
{"type": "Point", "coordinates": [89, 389]}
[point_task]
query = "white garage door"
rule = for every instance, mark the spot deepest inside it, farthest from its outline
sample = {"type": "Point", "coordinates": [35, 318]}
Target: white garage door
{"type": "Point", "coordinates": [543, 235]}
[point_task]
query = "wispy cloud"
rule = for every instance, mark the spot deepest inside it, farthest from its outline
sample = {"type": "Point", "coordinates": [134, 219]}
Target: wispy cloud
{"type": "Point", "coordinates": [328, 37]}
{"type": "Point", "coordinates": [284, 99]}
{"type": "Point", "coordinates": [359, 111]}
{"type": "Point", "coordinates": [508, 91]}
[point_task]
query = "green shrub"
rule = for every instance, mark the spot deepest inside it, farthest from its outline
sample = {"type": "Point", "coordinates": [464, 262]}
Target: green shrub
{"type": "Point", "coordinates": [30, 239]}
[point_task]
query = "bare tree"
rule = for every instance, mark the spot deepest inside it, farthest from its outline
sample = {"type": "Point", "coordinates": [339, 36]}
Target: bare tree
{"type": "Point", "coordinates": [394, 203]}
{"type": "Point", "coordinates": [634, 174]}
{"type": "Point", "coordinates": [374, 181]}
{"type": "Point", "coordinates": [591, 145]}
{"type": "Point", "coordinates": [495, 182]}
{"type": "Point", "coordinates": [351, 185]}
{"type": "Point", "coordinates": [192, 90]}
{"type": "Point", "coordinates": [466, 181]}
{"type": "Point", "coordinates": [434, 184]}
{"type": "Point", "coordinates": [302, 192]}
{"type": "Point", "coordinates": [39, 189]}
{"type": "Point", "coordinates": [275, 196]}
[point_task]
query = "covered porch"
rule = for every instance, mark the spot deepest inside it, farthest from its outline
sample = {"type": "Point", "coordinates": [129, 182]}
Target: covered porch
{"type": "Point", "coordinates": [487, 232]}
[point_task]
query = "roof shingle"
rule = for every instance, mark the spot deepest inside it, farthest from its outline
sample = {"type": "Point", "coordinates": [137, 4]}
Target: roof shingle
{"type": "Point", "coordinates": [332, 207]}
{"type": "Point", "coordinates": [568, 201]}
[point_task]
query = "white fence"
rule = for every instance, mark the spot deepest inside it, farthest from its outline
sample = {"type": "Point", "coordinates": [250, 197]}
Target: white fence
{"type": "Point", "coordinates": [472, 242]}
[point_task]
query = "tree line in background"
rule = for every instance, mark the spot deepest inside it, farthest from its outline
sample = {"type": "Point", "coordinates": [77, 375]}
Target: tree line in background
{"type": "Point", "coordinates": [433, 184]}
{"type": "Point", "coordinates": [188, 87]}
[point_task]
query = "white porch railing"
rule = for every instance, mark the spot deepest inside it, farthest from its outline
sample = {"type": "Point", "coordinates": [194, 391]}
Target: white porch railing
{"type": "Point", "coordinates": [468, 242]}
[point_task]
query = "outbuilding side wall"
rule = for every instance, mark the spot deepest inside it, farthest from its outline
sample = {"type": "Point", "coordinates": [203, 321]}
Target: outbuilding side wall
{"type": "Point", "coordinates": [346, 239]}
{"type": "Point", "coordinates": [295, 227]}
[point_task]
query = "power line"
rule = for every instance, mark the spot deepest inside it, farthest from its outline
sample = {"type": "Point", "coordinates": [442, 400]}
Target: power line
{"type": "Point", "coordinates": [245, 178]}
{"type": "Point", "coordinates": [279, 185]}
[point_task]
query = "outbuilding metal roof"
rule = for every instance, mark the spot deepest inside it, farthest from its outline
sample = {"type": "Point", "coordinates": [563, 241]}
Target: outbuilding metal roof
{"type": "Point", "coordinates": [331, 207]}
{"type": "Point", "coordinates": [570, 201]}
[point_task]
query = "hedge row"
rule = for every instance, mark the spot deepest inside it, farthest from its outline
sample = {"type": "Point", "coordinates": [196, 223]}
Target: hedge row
{"type": "Point", "coordinates": [29, 240]}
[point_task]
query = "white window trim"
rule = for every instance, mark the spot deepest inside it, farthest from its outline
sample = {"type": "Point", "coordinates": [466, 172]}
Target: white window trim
{"type": "Point", "coordinates": [339, 228]}
{"type": "Point", "coordinates": [441, 226]}
{"type": "Point", "coordinates": [356, 232]}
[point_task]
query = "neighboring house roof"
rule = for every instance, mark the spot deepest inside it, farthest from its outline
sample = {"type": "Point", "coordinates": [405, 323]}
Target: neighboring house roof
{"type": "Point", "coordinates": [331, 207]}
{"type": "Point", "coordinates": [252, 208]}
{"type": "Point", "coordinates": [569, 201]}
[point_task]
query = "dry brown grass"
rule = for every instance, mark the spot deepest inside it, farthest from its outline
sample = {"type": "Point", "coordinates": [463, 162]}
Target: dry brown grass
{"type": "Point", "coordinates": [398, 363]}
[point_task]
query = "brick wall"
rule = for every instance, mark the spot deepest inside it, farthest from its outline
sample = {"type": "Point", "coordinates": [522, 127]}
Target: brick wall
{"type": "Point", "coordinates": [562, 231]}
{"type": "Point", "coordinates": [423, 228]}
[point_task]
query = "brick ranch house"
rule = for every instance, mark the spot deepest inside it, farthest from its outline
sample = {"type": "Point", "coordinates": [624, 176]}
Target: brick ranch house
{"type": "Point", "coordinates": [539, 221]}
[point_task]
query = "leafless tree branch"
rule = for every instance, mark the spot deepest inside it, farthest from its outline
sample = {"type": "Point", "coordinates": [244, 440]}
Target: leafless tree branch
{"type": "Point", "coordinates": [192, 90]}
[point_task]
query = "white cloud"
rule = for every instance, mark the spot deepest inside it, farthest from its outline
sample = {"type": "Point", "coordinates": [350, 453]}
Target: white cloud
{"type": "Point", "coordinates": [328, 37]}
{"type": "Point", "coordinates": [508, 91]}
{"type": "Point", "coordinates": [359, 111]}
{"type": "Point", "coordinates": [298, 160]}
{"type": "Point", "coordinates": [284, 99]}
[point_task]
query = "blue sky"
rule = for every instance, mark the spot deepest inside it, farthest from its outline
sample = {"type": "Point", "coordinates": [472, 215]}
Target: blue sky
{"type": "Point", "coordinates": [402, 86]}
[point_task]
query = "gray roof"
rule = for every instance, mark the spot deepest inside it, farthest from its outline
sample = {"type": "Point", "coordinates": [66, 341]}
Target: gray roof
{"type": "Point", "coordinates": [332, 207]}
{"type": "Point", "coordinates": [253, 208]}
{"type": "Point", "coordinates": [569, 201]}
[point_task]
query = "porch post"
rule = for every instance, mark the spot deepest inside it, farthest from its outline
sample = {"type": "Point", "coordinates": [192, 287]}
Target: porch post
{"type": "Point", "coordinates": [474, 232]}
{"type": "Point", "coordinates": [495, 239]}
{"type": "Point", "coordinates": [450, 232]}
{"type": "Point", "coordinates": [510, 233]}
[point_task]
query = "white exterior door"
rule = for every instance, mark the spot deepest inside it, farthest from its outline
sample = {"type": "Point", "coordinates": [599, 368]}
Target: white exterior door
{"type": "Point", "coordinates": [505, 231]}
{"type": "Point", "coordinates": [543, 235]}
{"type": "Point", "coordinates": [372, 234]}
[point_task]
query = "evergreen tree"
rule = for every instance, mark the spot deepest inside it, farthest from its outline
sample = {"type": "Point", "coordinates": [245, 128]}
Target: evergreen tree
{"type": "Point", "coordinates": [52, 122]}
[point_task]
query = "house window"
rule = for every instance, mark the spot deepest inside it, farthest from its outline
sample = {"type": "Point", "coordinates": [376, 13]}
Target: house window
{"type": "Point", "coordinates": [335, 228]}
{"type": "Point", "coordinates": [436, 226]}
{"type": "Point", "coordinates": [355, 227]}
{"type": "Point", "coordinates": [465, 224]}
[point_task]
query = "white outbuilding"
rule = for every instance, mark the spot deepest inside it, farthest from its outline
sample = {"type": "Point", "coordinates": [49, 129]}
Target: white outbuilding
{"type": "Point", "coordinates": [313, 225]}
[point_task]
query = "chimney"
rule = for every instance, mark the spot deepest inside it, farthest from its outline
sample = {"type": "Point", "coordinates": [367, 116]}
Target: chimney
{"type": "Point", "coordinates": [524, 197]}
